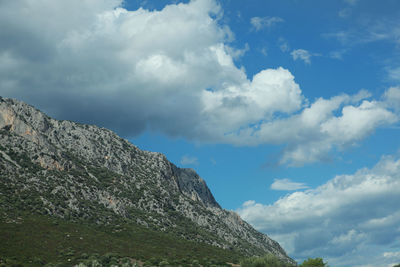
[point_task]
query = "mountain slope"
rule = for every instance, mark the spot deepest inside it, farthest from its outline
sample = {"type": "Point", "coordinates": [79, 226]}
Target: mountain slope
{"type": "Point", "coordinates": [83, 172]}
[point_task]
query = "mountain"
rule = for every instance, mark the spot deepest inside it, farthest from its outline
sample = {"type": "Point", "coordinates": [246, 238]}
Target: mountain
{"type": "Point", "coordinates": [83, 173]}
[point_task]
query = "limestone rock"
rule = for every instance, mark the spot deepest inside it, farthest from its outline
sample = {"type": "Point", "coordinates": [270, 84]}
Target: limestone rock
{"type": "Point", "coordinates": [83, 172]}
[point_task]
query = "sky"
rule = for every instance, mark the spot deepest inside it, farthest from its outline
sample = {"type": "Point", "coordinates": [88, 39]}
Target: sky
{"type": "Point", "coordinates": [289, 110]}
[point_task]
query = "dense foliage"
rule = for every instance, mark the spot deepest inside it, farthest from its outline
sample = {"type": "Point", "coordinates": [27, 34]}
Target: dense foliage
{"type": "Point", "coordinates": [37, 240]}
{"type": "Point", "coordinates": [317, 262]}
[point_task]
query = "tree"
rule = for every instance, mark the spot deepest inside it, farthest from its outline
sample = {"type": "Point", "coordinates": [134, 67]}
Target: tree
{"type": "Point", "coordinates": [317, 262]}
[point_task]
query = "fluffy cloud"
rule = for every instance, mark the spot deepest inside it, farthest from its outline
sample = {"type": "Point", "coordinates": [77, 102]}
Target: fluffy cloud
{"type": "Point", "coordinates": [301, 54]}
{"type": "Point", "coordinates": [287, 185]}
{"type": "Point", "coordinates": [170, 71]}
{"type": "Point", "coordinates": [311, 134]}
{"type": "Point", "coordinates": [348, 221]}
{"type": "Point", "coordinates": [260, 23]}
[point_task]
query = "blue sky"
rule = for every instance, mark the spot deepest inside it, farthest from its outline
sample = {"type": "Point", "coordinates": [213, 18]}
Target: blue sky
{"type": "Point", "coordinates": [288, 109]}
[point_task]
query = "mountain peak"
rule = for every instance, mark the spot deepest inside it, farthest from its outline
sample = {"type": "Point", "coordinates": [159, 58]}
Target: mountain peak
{"type": "Point", "coordinates": [81, 172]}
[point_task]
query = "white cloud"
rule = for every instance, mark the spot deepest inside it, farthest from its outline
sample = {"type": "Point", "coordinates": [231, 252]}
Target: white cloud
{"type": "Point", "coordinates": [270, 91]}
{"type": "Point", "coordinates": [311, 134]}
{"type": "Point", "coordinates": [260, 23]}
{"type": "Point", "coordinates": [349, 221]}
{"type": "Point", "coordinates": [287, 185]}
{"type": "Point", "coordinates": [301, 54]}
{"type": "Point", "coordinates": [171, 71]}
{"type": "Point", "coordinates": [392, 255]}
{"type": "Point", "coordinates": [189, 160]}
{"type": "Point", "coordinates": [237, 53]}
{"type": "Point", "coordinates": [369, 30]}
{"type": "Point", "coordinates": [356, 122]}
{"type": "Point", "coordinates": [392, 98]}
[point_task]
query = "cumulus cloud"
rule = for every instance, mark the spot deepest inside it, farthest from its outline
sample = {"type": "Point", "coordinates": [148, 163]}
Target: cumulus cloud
{"type": "Point", "coordinates": [349, 220]}
{"type": "Point", "coordinates": [311, 134]}
{"type": "Point", "coordinates": [189, 160]}
{"type": "Point", "coordinates": [171, 71]}
{"type": "Point", "coordinates": [287, 185]}
{"type": "Point", "coordinates": [301, 54]}
{"type": "Point", "coordinates": [260, 23]}
{"type": "Point", "coordinates": [238, 53]}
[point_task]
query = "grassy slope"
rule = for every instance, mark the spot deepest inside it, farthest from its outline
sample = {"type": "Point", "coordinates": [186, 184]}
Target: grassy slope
{"type": "Point", "coordinates": [27, 237]}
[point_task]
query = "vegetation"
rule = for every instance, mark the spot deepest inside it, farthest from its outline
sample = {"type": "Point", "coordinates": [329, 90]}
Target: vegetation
{"type": "Point", "coordinates": [317, 262]}
{"type": "Point", "coordinates": [38, 240]}
{"type": "Point", "coordinates": [273, 261]}
{"type": "Point", "coordinates": [266, 261]}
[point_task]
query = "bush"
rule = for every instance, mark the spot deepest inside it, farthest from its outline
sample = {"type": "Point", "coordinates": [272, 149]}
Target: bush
{"type": "Point", "coordinates": [195, 263]}
{"type": "Point", "coordinates": [317, 262]}
{"type": "Point", "coordinates": [266, 261]}
{"type": "Point", "coordinates": [164, 263]}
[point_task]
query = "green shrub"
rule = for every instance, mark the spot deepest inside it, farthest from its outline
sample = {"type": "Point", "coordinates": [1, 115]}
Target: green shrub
{"type": "Point", "coordinates": [164, 263]}
{"type": "Point", "coordinates": [266, 261]}
{"type": "Point", "coordinates": [195, 263]}
{"type": "Point", "coordinates": [317, 262]}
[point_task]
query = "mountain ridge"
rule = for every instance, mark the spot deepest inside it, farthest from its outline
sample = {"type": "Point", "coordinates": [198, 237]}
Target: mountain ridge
{"type": "Point", "coordinates": [79, 171]}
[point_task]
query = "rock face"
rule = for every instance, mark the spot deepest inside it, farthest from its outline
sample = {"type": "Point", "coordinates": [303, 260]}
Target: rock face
{"type": "Point", "coordinates": [83, 172]}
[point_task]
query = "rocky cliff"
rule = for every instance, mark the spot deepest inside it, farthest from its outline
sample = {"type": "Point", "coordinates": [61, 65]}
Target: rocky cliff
{"type": "Point", "coordinates": [83, 172]}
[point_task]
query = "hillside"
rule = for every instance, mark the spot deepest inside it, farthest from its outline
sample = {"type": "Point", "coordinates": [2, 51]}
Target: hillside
{"type": "Point", "coordinates": [83, 174]}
